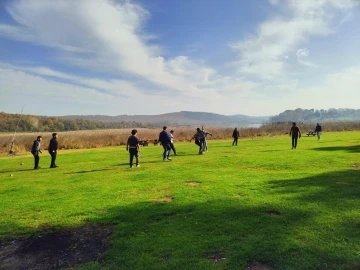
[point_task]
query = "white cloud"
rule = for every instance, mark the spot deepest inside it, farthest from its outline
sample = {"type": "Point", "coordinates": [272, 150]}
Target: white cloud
{"type": "Point", "coordinates": [263, 54]}
{"type": "Point", "coordinates": [107, 36]}
{"type": "Point", "coordinates": [302, 57]}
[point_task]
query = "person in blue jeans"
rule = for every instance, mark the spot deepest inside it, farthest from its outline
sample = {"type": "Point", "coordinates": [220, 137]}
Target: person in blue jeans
{"type": "Point", "coordinates": [318, 130]}
{"type": "Point", "coordinates": [165, 140]}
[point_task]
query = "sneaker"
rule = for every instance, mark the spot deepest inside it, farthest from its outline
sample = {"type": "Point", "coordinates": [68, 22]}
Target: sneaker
{"type": "Point", "coordinates": [168, 158]}
{"type": "Point", "coordinates": [138, 165]}
{"type": "Point", "coordinates": [131, 167]}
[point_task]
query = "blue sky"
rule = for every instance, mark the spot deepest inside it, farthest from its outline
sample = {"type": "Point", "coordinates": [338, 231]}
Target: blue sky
{"type": "Point", "coordinates": [149, 57]}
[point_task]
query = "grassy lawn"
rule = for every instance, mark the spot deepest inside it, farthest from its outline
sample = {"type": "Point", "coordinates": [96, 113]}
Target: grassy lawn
{"type": "Point", "coordinates": [257, 203]}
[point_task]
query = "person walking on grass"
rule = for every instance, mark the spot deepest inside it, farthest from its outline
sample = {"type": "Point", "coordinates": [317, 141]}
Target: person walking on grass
{"type": "Point", "coordinates": [295, 133]}
{"type": "Point", "coordinates": [35, 150]}
{"type": "Point", "coordinates": [165, 139]}
{"type": "Point", "coordinates": [318, 131]}
{"type": "Point", "coordinates": [133, 147]}
{"type": "Point", "coordinates": [53, 147]}
{"type": "Point", "coordinates": [199, 137]}
{"type": "Point", "coordinates": [205, 141]}
{"type": "Point", "coordinates": [236, 136]}
{"type": "Point", "coordinates": [172, 142]}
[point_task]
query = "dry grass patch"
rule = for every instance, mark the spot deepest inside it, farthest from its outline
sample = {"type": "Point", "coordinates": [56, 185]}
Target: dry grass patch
{"type": "Point", "coordinates": [166, 199]}
{"type": "Point", "coordinates": [192, 183]}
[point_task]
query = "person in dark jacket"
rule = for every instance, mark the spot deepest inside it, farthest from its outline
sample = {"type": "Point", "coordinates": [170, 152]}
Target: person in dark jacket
{"type": "Point", "coordinates": [172, 142]}
{"type": "Point", "coordinates": [35, 150]}
{"type": "Point", "coordinates": [165, 139]}
{"type": "Point", "coordinates": [53, 147]}
{"type": "Point", "coordinates": [133, 147]}
{"type": "Point", "coordinates": [295, 133]}
{"type": "Point", "coordinates": [318, 130]}
{"type": "Point", "coordinates": [236, 136]}
{"type": "Point", "coordinates": [199, 137]}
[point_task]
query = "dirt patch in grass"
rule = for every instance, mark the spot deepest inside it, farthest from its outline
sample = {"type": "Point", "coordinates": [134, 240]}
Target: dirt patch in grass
{"type": "Point", "coordinates": [56, 250]}
{"type": "Point", "coordinates": [215, 256]}
{"type": "Point", "coordinates": [192, 183]}
{"type": "Point", "coordinates": [257, 266]}
{"type": "Point", "coordinates": [356, 165]}
{"type": "Point", "coordinates": [240, 195]}
{"type": "Point", "coordinates": [273, 213]}
{"type": "Point", "coordinates": [163, 200]}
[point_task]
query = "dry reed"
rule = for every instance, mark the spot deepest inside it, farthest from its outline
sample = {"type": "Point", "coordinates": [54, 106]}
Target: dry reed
{"type": "Point", "coordinates": [116, 137]}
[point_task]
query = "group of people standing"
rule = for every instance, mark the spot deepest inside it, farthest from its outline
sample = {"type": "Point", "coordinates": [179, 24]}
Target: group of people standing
{"type": "Point", "coordinates": [166, 139]}
{"type": "Point", "coordinates": [52, 149]}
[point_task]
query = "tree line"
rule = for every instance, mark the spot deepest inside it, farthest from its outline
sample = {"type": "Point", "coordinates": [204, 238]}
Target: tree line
{"type": "Point", "coordinates": [31, 123]}
{"type": "Point", "coordinates": [312, 115]}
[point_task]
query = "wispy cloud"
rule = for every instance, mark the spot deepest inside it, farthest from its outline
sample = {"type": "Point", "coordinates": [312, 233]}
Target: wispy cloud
{"type": "Point", "coordinates": [108, 37]}
{"type": "Point", "coordinates": [263, 55]}
{"type": "Point", "coordinates": [302, 57]}
{"type": "Point", "coordinates": [103, 35]}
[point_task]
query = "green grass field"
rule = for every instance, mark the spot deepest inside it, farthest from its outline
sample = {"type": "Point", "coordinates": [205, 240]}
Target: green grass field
{"type": "Point", "coordinates": [257, 203]}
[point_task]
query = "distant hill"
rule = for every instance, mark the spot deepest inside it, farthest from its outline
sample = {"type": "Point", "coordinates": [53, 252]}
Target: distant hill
{"type": "Point", "coordinates": [312, 115]}
{"type": "Point", "coordinates": [179, 118]}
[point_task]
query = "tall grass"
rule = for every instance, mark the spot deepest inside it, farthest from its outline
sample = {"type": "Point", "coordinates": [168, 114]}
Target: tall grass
{"type": "Point", "coordinates": [113, 137]}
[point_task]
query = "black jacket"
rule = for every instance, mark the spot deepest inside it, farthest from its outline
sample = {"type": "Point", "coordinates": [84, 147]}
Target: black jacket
{"type": "Point", "coordinates": [164, 137]}
{"type": "Point", "coordinates": [53, 146]}
{"type": "Point", "coordinates": [35, 147]}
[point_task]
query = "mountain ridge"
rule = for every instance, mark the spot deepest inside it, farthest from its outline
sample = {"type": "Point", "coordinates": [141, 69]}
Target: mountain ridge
{"type": "Point", "coordinates": [177, 118]}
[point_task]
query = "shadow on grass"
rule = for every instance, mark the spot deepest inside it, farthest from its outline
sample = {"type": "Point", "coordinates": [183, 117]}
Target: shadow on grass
{"type": "Point", "coordinates": [351, 149]}
{"type": "Point", "coordinates": [189, 235]}
{"type": "Point", "coordinates": [22, 170]}
{"type": "Point", "coordinates": [90, 171]}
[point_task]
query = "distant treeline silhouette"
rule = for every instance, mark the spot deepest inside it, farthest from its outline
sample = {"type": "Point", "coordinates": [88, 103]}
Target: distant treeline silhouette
{"type": "Point", "coordinates": [313, 115]}
{"type": "Point", "coordinates": [32, 123]}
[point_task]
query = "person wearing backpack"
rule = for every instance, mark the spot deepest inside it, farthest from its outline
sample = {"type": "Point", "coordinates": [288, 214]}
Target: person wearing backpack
{"type": "Point", "coordinates": [35, 150]}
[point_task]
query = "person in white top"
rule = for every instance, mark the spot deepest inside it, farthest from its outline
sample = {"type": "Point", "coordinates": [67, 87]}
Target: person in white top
{"type": "Point", "coordinates": [172, 142]}
{"type": "Point", "coordinates": [205, 142]}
